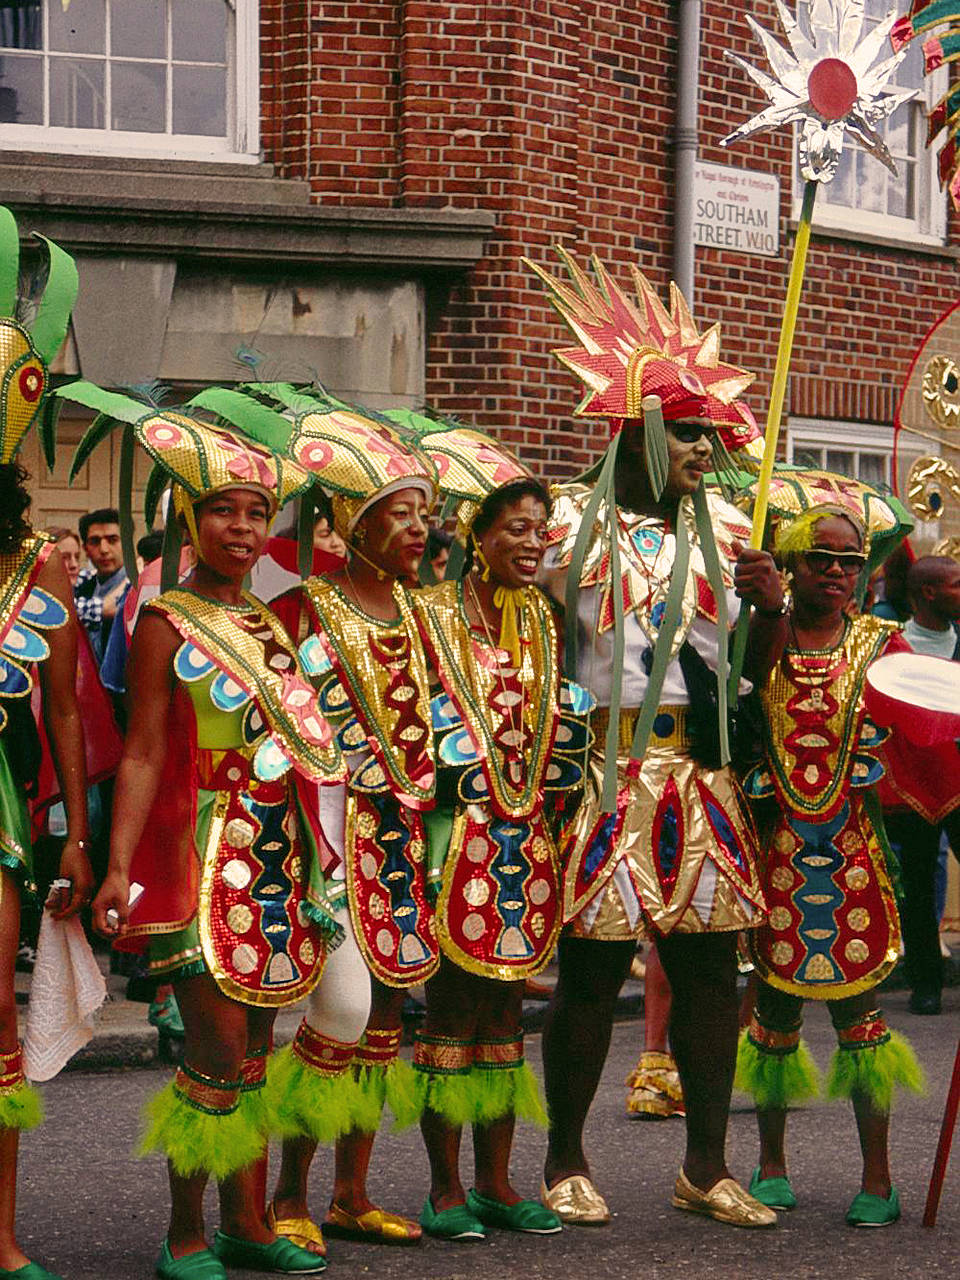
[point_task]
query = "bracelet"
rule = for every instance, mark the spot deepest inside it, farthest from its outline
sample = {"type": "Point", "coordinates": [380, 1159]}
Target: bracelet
{"type": "Point", "coordinates": [779, 612]}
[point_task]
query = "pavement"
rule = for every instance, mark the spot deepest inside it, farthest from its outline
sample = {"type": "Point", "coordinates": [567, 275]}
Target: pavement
{"type": "Point", "coordinates": [90, 1211]}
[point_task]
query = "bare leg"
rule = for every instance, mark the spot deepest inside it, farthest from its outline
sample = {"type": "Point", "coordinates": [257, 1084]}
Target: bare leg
{"type": "Point", "coordinates": [215, 1043]}
{"type": "Point", "coordinates": [783, 1012]}
{"type": "Point", "coordinates": [243, 1195]}
{"type": "Point", "coordinates": [290, 1196]}
{"type": "Point", "coordinates": [656, 1005]}
{"type": "Point", "coordinates": [702, 971]}
{"type": "Point", "coordinates": [576, 1038]}
{"type": "Point", "coordinates": [501, 1013]}
{"type": "Point", "coordinates": [354, 1149]}
{"type": "Point", "coordinates": [873, 1126]}
{"type": "Point", "coordinates": [453, 1009]}
{"type": "Point", "coordinates": [11, 1255]}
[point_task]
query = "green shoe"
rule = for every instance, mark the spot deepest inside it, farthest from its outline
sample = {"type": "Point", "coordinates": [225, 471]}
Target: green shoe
{"type": "Point", "coordinates": [458, 1223]}
{"type": "Point", "coordinates": [281, 1256]}
{"type": "Point", "coordinates": [29, 1271]}
{"type": "Point", "coordinates": [775, 1193]}
{"type": "Point", "coordinates": [526, 1215]}
{"type": "Point", "coordinates": [873, 1211]}
{"type": "Point", "coordinates": [192, 1266]}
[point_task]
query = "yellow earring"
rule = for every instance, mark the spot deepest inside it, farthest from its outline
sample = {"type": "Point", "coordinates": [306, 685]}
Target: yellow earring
{"type": "Point", "coordinates": [481, 560]}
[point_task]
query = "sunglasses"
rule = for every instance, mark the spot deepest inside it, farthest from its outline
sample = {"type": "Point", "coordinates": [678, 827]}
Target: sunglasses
{"type": "Point", "coordinates": [850, 562]}
{"type": "Point", "coordinates": [689, 432]}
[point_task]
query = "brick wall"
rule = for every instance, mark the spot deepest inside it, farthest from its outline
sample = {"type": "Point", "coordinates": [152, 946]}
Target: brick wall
{"type": "Point", "coordinates": [558, 116]}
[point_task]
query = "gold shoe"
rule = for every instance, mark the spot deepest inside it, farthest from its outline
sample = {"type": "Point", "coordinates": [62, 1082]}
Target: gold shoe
{"type": "Point", "coordinates": [577, 1201]}
{"type": "Point", "coordinates": [300, 1231]}
{"type": "Point", "coordinates": [655, 1089]}
{"type": "Point", "coordinates": [726, 1201]}
{"type": "Point", "coordinates": [376, 1225]}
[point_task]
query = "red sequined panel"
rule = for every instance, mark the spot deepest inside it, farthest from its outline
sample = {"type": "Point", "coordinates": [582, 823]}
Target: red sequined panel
{"type": "Point", "coordinates": [264, 948]}
{"type": "Point", "coordinates": [499, 912]}
{"type": "Point", "coordinates": [386, 879]}
{"type": "Point", "coordinates": [409, 735]}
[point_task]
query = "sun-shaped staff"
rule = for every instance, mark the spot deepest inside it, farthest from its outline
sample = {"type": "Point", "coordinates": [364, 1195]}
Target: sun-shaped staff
{"type": "Point", "coordinates": [828, 81]}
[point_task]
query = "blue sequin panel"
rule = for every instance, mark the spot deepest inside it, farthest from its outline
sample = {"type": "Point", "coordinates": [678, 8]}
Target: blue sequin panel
{"type": "Point", "coordinates": [510, 869]}
{"type": "Point", "coordinates": [226, 694]}
{"type": "Point", "coordinates": [14, 682]}
{"type": "Point", "coordinates": [575, 698]}
{"type": "Point", "coordinates": [271, 891]}
{"type": "Point", "coordinates": [270, 763]}
{"type": "Point", "coordinates": [25, 645]}
{"type": "Point", "coordinates": [443, 713]}
{"type": "Point", "coordinates": [314, 657]}
{"type": "Point", "coordinates": [457, 749]}
{"type": "Point", "coordinates": [190, 664]}
{"type": "Point", "coordinates": [40, 609]}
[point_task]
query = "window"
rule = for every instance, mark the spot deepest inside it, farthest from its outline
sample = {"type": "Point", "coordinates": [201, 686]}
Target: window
{"type": "Point", "coordinates": [858, 451]}
{"type": "Point", "coordinates": [130, 77]}
{"type": "Point", "coordinates": [864, 195]}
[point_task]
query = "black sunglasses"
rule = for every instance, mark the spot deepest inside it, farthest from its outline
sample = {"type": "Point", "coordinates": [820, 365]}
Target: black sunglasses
{"type": "Point", "coordinates": [820, 561]}
{"type": "Point", "coordinates": [689, 432]}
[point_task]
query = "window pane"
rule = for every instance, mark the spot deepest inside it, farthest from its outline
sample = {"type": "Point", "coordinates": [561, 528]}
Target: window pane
{"type": "Point", "coordinates": [21, 25]}
{"type": "Point", "coordinates": [138, 28]}
{"type": "Point", "coordinates": [21, 89]}
{"type": "Point", "coordinates": [873, 468]}
{"type": "Point", "coordinates": [871, 184]}
{"type": "Point", "coordinates": [840, 190]}
{"type": "Point", "coordinates": [806, 455]}
{"type": "Point", "coordinates": [138, 96]}
{"type": "Point", "coordinates": [841, 461]}
{"type": "Point", "coordinates": [199, 30]}
{"type": "Point", "coordinates": [76, 93]}
{"type": "Point", "coordinates": [81, 29]}
{"type": "Point", "coordinates": [199, 100]}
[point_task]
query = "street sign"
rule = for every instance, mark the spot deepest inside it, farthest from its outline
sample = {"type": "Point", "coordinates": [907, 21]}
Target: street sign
{"type": "Point", "coordinates": [736, 209]}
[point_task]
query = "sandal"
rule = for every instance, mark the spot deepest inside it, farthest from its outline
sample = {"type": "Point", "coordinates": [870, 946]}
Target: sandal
{"type": "Point", "coordinates": [376, 1225]}
{"type": "Point", "coordinates": [303, 1232]}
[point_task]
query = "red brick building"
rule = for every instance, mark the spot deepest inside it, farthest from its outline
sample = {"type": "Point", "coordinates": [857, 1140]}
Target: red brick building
{"type": "Point", "coordinates": [349, 189]}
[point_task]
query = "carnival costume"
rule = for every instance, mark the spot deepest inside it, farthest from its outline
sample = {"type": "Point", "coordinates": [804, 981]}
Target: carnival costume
{"type": "Point", "coordinates": [27, 612]}
{"type": "Point", "coordinates": [833, 929]}
{"type": "Point", "coordinates": [510, 733]}
{"type": "Point", "coordinates": [661, 839]}
{"type": "Point", "coordinates": [237, 880]}
{"type": "Point", "coordinates": [372, 681]}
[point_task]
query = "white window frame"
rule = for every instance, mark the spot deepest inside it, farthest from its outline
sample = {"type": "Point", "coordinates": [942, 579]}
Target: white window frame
{"type": "Point", "coordinates": [857, 438]}
{"type": "Point", "coordinates": [240, 146]}
{"type": "Point", "coordinates": [929, 227]}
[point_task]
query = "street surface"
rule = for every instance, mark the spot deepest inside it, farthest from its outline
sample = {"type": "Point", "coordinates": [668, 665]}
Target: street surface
{"type": "Point", "coordinates": [90, 1211]}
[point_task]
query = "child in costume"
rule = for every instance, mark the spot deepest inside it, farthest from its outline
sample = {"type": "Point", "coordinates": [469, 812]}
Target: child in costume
{"type": "Point", "coordinates": [214, 817]}
{"type": "Point", "coordinates": [38, 628]}
{"type": "Point", "coordinates": [506, 739]}
{"type": "Point", "coordinates": [833, 932]}
{"type": "Point", "coordinates": [648, 568]}
{"type": "Point", "coordinates": [362, 648]}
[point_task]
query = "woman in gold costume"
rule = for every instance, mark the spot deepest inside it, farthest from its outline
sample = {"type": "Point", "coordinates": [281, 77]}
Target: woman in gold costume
{"type": "Point", "coordinates": [833, 933]}
{"type": "Point", "coordinates": [503, 747]}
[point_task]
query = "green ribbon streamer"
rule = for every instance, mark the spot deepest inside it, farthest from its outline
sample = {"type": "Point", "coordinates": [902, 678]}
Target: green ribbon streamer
{"type": "Point", "coordinates": [711, 560]}
{"type": "Point", "coordinates": [127, 448]}
{"type": "Point", "coordinates": [306, 518]}
{"type": "Point", "coordinates": [172, 542]}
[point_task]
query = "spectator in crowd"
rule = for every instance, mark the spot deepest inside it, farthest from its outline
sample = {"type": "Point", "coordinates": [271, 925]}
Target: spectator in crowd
{"type": "Point", "coordinates": [101, 588]}
{"type": "Point", "coordinates": [325, 536]}
{"type": "Point", "coordinates": [933, 590]}
{"type": "Point", "coordinates": [68, 544]}
{"type": "Point", "coordinates": [438, 551]}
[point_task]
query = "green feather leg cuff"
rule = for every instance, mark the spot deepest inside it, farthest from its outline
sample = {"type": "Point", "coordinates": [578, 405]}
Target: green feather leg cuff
{"type": "Point", "coordinates": [196, 1141]}
{"type": "Point", "coordinates": [876, 1071]}
{"type": "Point", "coordinates": [483, 1094]}
{"type": "Point", "coordinates": [308, 1103]}
{"type": "Point", "coordinates": [775, 1080]}
{"type": "Point", "coordinates": [21, 1108]}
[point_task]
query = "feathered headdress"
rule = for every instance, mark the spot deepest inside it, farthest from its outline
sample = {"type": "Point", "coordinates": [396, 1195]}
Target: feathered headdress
{"type": "Point", "coordinates": [628, 351]}
{"type": "Point", "coordinates": [26, 353]}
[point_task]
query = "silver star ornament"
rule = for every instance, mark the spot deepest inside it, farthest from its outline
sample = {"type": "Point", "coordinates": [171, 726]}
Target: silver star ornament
{"type": "Point", "coordinates": [827, 81]}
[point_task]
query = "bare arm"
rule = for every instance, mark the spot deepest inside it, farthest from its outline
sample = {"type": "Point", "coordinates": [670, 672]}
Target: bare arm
{"type": "Point", "coordinates": [61, 718]}
{"type": "Point", "coordinates": [150, 688]}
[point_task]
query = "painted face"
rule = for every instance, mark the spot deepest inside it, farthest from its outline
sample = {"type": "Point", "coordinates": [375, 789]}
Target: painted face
{"type": "Point", "coordinates": [232, 528]}
{"type": "Point", "coordinates": [326, 538]}
{"type": "Point", "coordinates": [102, 545]}
{"type": "Point", "coordinates": [825, 582]}
{"type": "Point", "coordinates": [514, 544]}
{"type": "Point", "coordinates": [393, 533]}
{"type": "Point", "coordinates": [690, 454]}
{"type": "Point", "coordinates": [69, 548]}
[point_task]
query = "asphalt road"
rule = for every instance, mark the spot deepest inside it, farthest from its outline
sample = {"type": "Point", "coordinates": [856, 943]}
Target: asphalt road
{"type": "Point", "coordinates": [90, 1211]}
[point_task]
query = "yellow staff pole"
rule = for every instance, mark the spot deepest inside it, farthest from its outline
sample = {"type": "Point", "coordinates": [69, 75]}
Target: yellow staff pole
{"type": "Point", "coordinates": [787, 328]}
